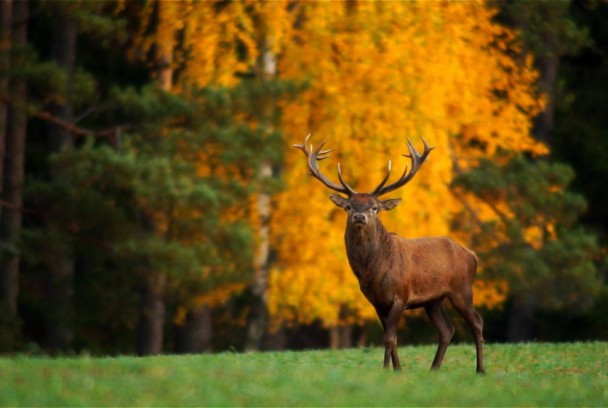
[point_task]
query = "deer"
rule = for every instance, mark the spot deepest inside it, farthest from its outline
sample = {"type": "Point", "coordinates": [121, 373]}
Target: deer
{"type": "Point", "coordinates": [396, 273]}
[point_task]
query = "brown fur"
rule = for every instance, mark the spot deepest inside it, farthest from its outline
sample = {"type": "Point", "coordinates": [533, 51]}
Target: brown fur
{"type": "Point", "coordinates": [395, 273]}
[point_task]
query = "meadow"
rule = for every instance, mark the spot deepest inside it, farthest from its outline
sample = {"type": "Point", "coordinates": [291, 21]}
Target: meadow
{"type": "Point", "coordinates": [531, 374]}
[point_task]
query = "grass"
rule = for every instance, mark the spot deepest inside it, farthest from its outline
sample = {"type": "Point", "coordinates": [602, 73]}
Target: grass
{"type": "Point", "coordinates": [531, 374]}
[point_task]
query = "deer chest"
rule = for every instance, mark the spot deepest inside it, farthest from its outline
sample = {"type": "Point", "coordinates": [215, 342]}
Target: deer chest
{"type": "Point", "coordinates": [380, 291]}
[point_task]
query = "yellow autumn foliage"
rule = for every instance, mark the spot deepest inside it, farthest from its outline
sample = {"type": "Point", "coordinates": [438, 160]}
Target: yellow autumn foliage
{"type": "Point", "coordinates": [377, 73]}
{"type": "Point", "coordinates": [380, 72]}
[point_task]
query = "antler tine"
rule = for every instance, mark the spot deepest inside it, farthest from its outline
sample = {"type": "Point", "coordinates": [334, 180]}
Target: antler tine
{"type": "Point", "coordinates": [312, 159]}
{"type": "Point", "coordinates": [417, 160]}
{"type": "Point", "coordinates": [322, 154]}
{"type": "Point", "coordinates": [302, 146]}
{"type": "Point", "coordinates": [384, 180]}
{"type": "Point", "coordinates": [346, 186]}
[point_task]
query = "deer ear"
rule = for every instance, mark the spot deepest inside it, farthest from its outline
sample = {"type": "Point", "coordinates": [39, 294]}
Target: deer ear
{"type": "Point", "coordinates": [389, 204]}
{"type": "Point", "coordinates": [338, 200]}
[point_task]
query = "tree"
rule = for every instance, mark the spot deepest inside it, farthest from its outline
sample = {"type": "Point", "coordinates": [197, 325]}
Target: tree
{"type": "Point", "coordinates": [222, 44]}
{"type": "Point", "coordinates": [270, 24]}
{"type": "Point", "coordinates": [548, 33]}
{"type": "Point", "coordinates": [179, 191]}
{"type": "Point", "coordinates": [579, 140]}
{"type": "Point", "coordinates": [170, 35]}
{"type": "Point", "coordinates": [61, 268]}
{"type": "Point", "coordinates": [579, 137]}
{"type": "Point", "coordinates": [374, 79]}
{"type": "Point", "coordinates": [157, 214]}
{"type": "Point", "coordinates": [6, 20]}
{"type": "Point", "coordinates": [552, 35]}
{"type": "Point", "coordinates": [29, 77]}
{"type": "Point", "coordinates": [152, 306]}
{"type": "Point", "coordinates": [532, 240]}
{"type": "Point", "coordinates": [13, 133]}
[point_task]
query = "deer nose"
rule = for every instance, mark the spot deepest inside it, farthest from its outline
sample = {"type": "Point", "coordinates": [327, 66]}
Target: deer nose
{"type": "Point", "coordinates": [359, 218]}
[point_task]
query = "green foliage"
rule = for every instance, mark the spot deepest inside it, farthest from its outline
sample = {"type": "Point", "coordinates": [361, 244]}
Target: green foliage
{"type": "Point", "coordinates": [96, 18]}
{"type": "Point", "coordinates": [168, 191]}
{"type": "Point", "coordinates": [144, 204]}
{"type": "Point", "coordinates": [580, 120]}
{"type": "Point", "coordinates": [161, 187]}
{"type": "Point", "coordinates": [535, 243]}
{"type": "Point", "coordinates": [562, 375]}
{"type": "Point", "coordinates": [546, 26]}
{"type": "Point", "coordinates": [536, 191]}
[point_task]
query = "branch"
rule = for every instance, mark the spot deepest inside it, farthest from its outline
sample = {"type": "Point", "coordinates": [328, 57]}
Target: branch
{"type": "Point", "coordinates": [457, 170]}
{"type": "Point", "coordinates": [70, 127]}
{"type": "Point", "coordinates": [467, 206]}
{"type": "Point", "coordinates": [111, 134]}
{"type": "Point", "coordinates": [15, 207]}
{"type": "Point", "coordinates": [6, 204]}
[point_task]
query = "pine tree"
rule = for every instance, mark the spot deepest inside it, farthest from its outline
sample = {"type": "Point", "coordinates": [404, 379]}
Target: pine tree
{"type": "Point", "coordinates": [551, 35]}
{"type": "Point", "coordinates": [12, 155]}
{"type": "Point", "coordinates": [532, 242]}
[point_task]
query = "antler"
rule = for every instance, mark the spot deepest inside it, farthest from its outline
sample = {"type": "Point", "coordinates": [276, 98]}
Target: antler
{"type": "Point", "coordinates": [312, 157]}
{"type": "Point", "coordinates": [417, 160]}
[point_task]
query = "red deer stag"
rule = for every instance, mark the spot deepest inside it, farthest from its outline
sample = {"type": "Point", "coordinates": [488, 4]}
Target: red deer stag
{"type": "Point", "coordinates": [396, 273]}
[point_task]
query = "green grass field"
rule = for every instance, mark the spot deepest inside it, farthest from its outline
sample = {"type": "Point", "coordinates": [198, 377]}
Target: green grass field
{"type": "Point", "coordinates": [532, 374]}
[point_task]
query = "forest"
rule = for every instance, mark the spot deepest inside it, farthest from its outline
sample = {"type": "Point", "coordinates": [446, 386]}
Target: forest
{"type": "Point", "coordinates": [151, 200]}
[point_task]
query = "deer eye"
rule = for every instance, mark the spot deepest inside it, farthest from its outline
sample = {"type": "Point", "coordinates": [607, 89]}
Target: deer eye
{"type": "Point", "coordinates": [375, 209]}
{"type": "Point", "coordinates": [347, 207]}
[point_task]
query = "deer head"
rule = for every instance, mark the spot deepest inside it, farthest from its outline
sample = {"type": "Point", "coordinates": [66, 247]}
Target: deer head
{"type": "Point", "coordinates": [362, 208]}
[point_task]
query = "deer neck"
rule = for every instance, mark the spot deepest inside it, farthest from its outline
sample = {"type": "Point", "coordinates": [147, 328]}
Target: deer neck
{"type": "Point", "coordinates": [366, 247]}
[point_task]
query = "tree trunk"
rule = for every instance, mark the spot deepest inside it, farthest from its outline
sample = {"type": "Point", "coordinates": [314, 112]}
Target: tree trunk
{"type": "Point", "coordinates": [151, 316]}
{"type": "Point", "coordinates": [543, 123]}
{"type": "Point", "coordinates": [275, 340]}
{"type": "Point", "coordinates": [194, 336]}
{"type": "Point", "coordinates": [150, 325]}
{"type": "Point", "coordinates": [60, 335]}
{"type": "Point", "coordinates": [341, 335]}
{"type": "Point", "coordinates": [520, 320]}
{"type": "Point", "coordinates": [59, 330]}
{"type": "Point", "coordinates": [6, 19]}
{"type": "Point", "coordinates": [12, 138]}
{"type": "Point", "coordinates": [150, 336]}
{"type": "Point", "coordinates": [64, 53]}
{"type": "Point", "coordinates": [258, 319]}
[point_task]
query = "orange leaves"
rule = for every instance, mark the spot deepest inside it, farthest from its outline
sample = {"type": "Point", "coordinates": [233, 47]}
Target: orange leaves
{"type": "Point", "coordinates": [211, 38]}
{"type": "Point", "coordinates": [489, 294]}
{"type": "Point", "coordinates": [214, 298]}
{"type": "Point", "coordinates": [377, 72]}
{"type": "Point", "coordinates": [210, 42]}
{"type": "Point", "coordinates": [380, 72]}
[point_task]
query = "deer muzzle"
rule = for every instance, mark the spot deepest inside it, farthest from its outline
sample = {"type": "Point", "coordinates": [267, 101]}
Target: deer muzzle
{"type": "Point", "coordinates": [359, 218]}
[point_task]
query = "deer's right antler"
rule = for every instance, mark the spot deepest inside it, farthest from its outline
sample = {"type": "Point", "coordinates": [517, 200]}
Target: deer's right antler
{"type": "Point", "coordinates": [312, 158]}
{"type": "Point", "coordinates": [417, 160]}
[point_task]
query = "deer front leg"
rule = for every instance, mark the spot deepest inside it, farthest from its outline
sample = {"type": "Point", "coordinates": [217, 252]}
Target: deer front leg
{"type": "Point", "coordinates": [390, 334]}
{"type": "Point", "coordinates": [383, 316]}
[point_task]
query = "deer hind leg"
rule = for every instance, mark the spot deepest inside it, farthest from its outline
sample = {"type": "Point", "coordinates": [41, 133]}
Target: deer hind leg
{"type": "Point", "coordinates": [464, 306]}
{"type": "Point", "coordinates": [439, 318]}
{"type": "Point", "coordinates": [390, 335]}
